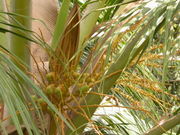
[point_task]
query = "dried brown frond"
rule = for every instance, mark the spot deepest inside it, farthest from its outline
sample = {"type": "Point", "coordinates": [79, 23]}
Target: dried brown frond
{"type": "Point", "coordinates": [62, 63]}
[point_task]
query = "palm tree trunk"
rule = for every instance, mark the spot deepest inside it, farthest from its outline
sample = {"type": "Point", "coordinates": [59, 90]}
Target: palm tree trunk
{"type": "Point", "coordinates": [3, 36]}
{"type": "Point", "coordinates": [19, 46]}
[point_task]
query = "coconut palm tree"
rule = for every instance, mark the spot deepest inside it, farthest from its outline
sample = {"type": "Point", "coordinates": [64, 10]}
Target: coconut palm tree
{"type": "Point", "coordinates": [64, 63]}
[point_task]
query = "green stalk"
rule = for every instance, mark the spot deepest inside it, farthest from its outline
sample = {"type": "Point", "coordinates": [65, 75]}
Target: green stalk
{"type": "Point", "coordinates": [165, 126]}
{"type": "Point", "coordinates": [60, 23]}
{"type": "Point", "coordinates": [18, 45]}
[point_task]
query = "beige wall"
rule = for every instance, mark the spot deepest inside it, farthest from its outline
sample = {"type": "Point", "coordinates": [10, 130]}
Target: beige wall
{"type": "Point", "coordinates": [45, 10]}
